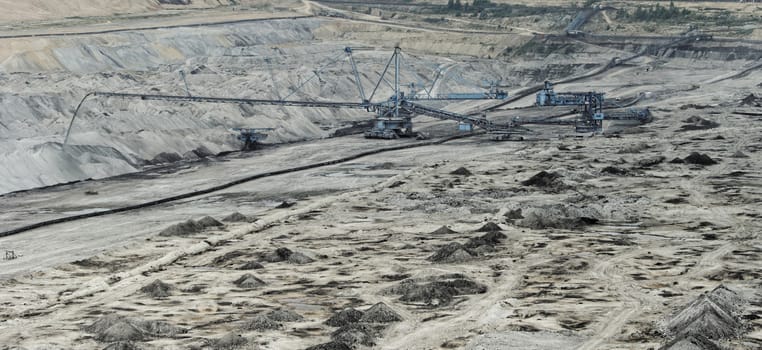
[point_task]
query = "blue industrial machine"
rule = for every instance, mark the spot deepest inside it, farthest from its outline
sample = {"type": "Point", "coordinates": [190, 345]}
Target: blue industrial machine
{"type": "Point", "coordinates": [592, 116]}
{"type": "Point", "coordinates": [394, 116]}
{"type": "Point", "coordinates": [251, 137]}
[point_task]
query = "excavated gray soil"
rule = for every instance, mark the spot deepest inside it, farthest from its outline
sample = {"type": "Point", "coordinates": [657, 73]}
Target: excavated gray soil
{"type": "Point", "coordinates": [444, 230]}
{"type": "Point", "coordinates": [691, 342]}
{"type": "Point", "coordinates": [344, 317]}
{"type": "Point", "coordinates": [122, 345]}
{"type": "Point", "coordinates": [550, 182]}
{"type": "Point", "coordinates": [190, 227]}
{"type": "Point", "coordinates": [249, 281]}
{"type": "Point", "coordinates": [185, 228]}
{"type": "Point", "coordinates": [332, 345]}
{"type": "Point", "coordinates": [284, 316]}
{"type": "Point", "coordinates": [699, 159]}
{"type": "Point", "coordinates": [157, 289]}
{"type": "Point", "coordinates": [354, 334]}
{"type": "Point", "coordinates": [251, 265]}
{"type": "Point", "coordinates": [461, 172]}
{"type": "Point", "coordinates": [436, 291]}
{"type": "Point", "coordinates": [285, 254]}
{"type": "Point", "coordinates": [230, 341]}
{"type": "Point", "coordinates": [236, 217]}
{"type": "Point", "coordinates": [489, 227]}
{"type": "Point", "coordinates": [558, 216]}
{"type": "Point", "coordinates": [698, 123]}
{"type": "Point", "coordinates": [115, 328]}
{"type": "Point", "coordinates": [714, 315]}
{"type": "Point", "coordinates": [380, 313]}
{"type": "Point", "coordinates": [261, 323]}
{"type": "Point", "coordinates": [452, 253]}
{"type": "Point", "coordinates": [208, 221]}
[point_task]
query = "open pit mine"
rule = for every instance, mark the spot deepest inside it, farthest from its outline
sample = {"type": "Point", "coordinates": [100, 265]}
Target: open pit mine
{"type": "Point", "coordinates": [391, 174]}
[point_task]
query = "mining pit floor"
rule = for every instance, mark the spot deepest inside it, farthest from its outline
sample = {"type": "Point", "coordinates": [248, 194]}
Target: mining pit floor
{"type": "Point", "coordinates": [560, 241]}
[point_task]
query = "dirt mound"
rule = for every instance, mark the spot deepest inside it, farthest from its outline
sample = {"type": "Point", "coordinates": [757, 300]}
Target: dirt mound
{"type": "Point", "coordinates": [299, 259]}
{"type": "Point", "coordinates": [285, 204]}
{"type": "Point", "coordinates": [158, 289]}
{"type": "Point", "coordinates": [714, 315]}
{"type": "Point", "coordinates": [461, 172]}
{"type": "Point", "coordinates": [698, 123]}
{"type": "Point", "coordinates": [115, 328]}
{"type": "Point", "coordinates": [185, 228]}
{"type": "Point", "coordinates": [546, 181]}
{"type": "Point", "coordinates": [165, 157]}
{"type": "Point", "coordinates": [261, 323]}
{"type": "Point", "coordinates": [330, 346]}
{"type": "Point", "coordinates": [230, 341]}
{"type": "Point", "coordinates": [208, 221]}
{"type": "Point", "coordinates": [284, 316]}
{"type": "Point", "coordinates": [489, 227]}
{"type": "Point", "coordinates": [452, 253]}
{"type": "Point", "coordinates": [102, 323]}
{"type": "Point", "coordinates": [559, 216]}
{"type": "Point", "coordinates": [436, 291]}
{"type": "Point", "coordinates": [380, 313]}
{"type": "Point", "coordinates": [691, 342]}
{"type": "Point", "coordinates": [699, 159]}
{"type": "Point", "coordinates": [356, 333]}
{"type": "Point", "coordinates": [223, 259]}
{"type": "Point", "coordinates": [122, 330]}
{"type": "Point", "coordinates": [251, 265]}
{"type": "Point", "coordinates": [514, 214]}
{"type": "Point", "coordinates": [444, 230]}
{"type": "Point", "coordinates": [190, 227]}
{"type": "Point", "coordinates": [650, 161]}
{"type": "Point", "coordinates": [285, 254]}
{"type": "Point", "coordinates": [122, 345]}
{"type": "Point", "coordinates": [727, 299]}
{"type": "Point", "coordinates": [489, 239]}
{"type": "Point", "coordinates": [739, 154]}
{"type": "Point", "coordinates": [344, 317]}
{"type": "Point", "coordinates": [280, 254]}
{"type": "Point", "coordinates": [249, 281]}
{"type": "Point", "coordinates": [634, 148]}
{"type": "Point", "coordinates": [236, 217]}
{"type": "Point", "coordinates": [613, 170]}
{"type": "Point", "coordinates": [752, 100]}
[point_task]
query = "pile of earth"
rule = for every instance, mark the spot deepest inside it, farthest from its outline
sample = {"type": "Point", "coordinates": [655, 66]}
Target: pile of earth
{"type": "Point", "coordinates": [547, 181]}
{"type": "Point", "coordinates": [230, 341]}
{"type": "Point", "coordinates": [461, 172]}
{"type": "Point", "coordinates": [698, 123]}
{"type": "Point", "coordinates": [190, 227]}
{"type": "Point", "coordinates": [285, 254]}
{"type": "Point", "coordinates": [456, 253]}
{"type": "Point", "coordinates": [444, 230]}
{"type": "Point", "coordinates": [157, 289]}
{"type": "Point", "coordinates": [752, 100]}
{"type": "Point", "coordinates": [237, 217]}
{"type": "Point", "coordinates": [699, 159]}
{"type": "Point", "coordinates": [357, 327]}
{"type": "Point", "coordinates": [435, 291]}
{"type": "Point", "coordinates": [114, 328]}
{"type": "Point", "coordinates": [712, 316]}
{"type": "Point", "coordinates": [560, 216]}
{"type": "Point", "coordinates": [271, 320]}
{"type": "Point", "coordinates": [249, 281]}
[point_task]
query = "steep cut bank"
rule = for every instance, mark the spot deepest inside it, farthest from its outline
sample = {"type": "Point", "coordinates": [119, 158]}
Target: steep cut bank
{"type": "Point", "coordinates": [37, 10]}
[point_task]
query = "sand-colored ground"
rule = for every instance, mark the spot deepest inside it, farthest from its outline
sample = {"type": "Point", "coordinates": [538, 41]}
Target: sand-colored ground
{"type": "Point", "coordinates": [560, 241]}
